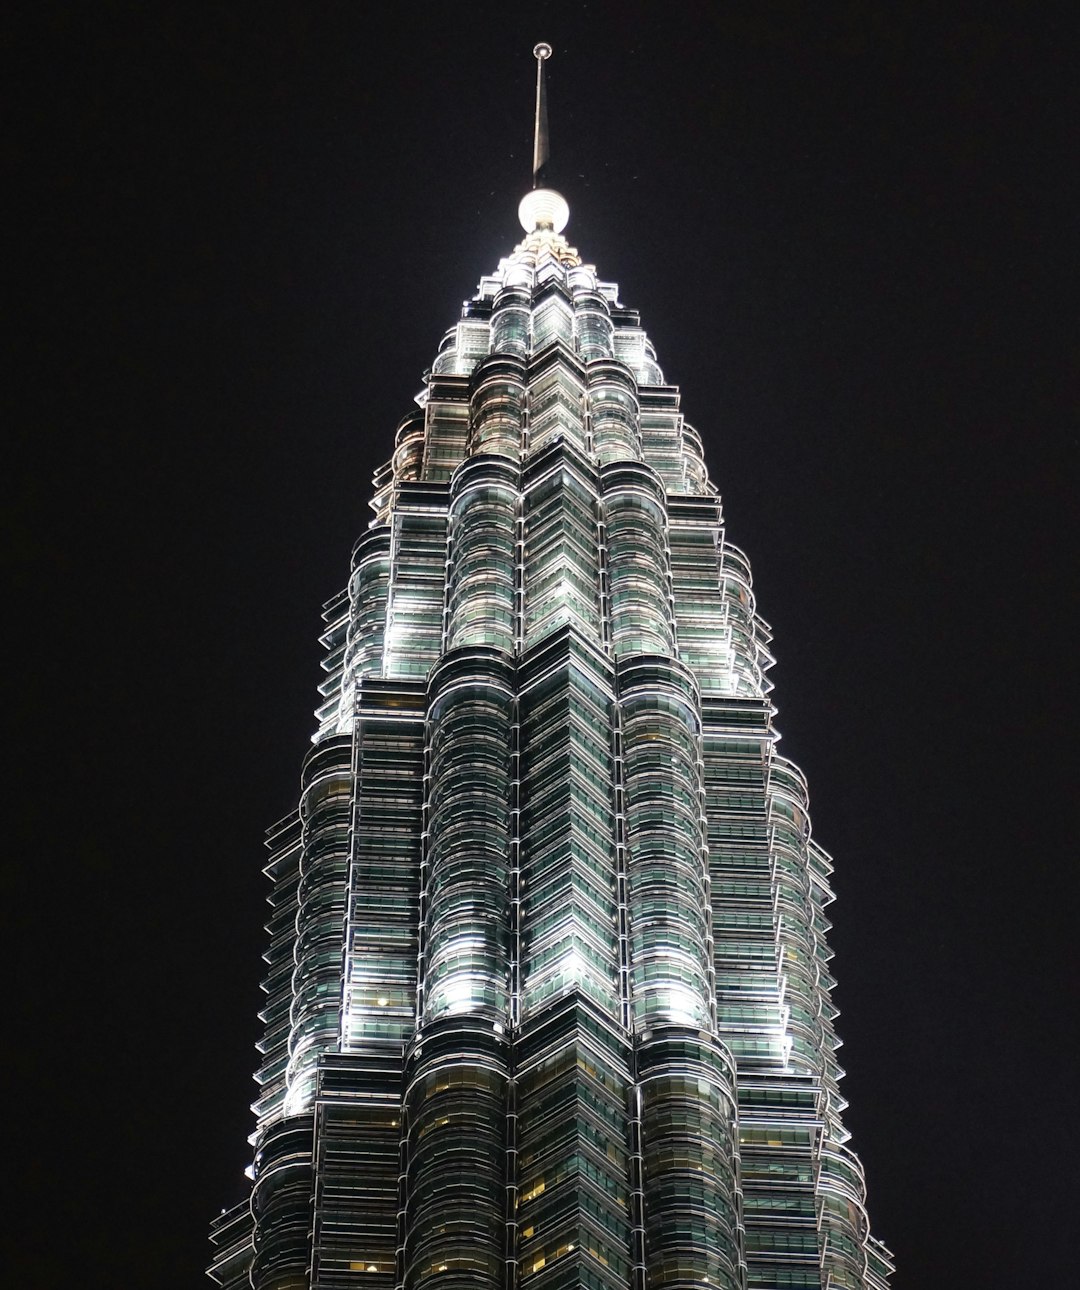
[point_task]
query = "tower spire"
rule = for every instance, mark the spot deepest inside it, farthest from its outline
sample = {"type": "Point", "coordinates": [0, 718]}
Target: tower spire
{"type": "Point", "coordinates": [541, 208]}
{"type": "Point", "coordinates": [541, 52]}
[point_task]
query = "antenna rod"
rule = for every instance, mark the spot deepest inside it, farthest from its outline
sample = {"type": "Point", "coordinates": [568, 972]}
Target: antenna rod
{"type": "Point", "coordinates": [541, 53]}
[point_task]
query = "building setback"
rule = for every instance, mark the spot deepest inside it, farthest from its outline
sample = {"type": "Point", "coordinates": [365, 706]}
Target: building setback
{"type": "Point", "coordinates": [548, 999]}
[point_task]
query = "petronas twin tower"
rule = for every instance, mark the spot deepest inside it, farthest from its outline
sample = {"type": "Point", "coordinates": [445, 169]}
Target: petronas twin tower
{"type": "Point", "coordinates": [548, 991]}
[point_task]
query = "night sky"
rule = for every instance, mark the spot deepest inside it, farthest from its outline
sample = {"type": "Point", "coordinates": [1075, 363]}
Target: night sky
{"type": "Point", "coordinates": [246, 229]}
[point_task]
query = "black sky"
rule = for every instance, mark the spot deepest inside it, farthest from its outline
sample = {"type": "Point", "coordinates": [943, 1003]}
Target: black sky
{"type": "Point", "coordinates": [849, 232]}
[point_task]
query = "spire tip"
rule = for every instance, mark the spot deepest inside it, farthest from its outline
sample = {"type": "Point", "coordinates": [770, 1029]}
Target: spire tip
{"type": "Point", "coordinates": [541, 52]}
{"type": "Point", "coordinates": [542, 210]}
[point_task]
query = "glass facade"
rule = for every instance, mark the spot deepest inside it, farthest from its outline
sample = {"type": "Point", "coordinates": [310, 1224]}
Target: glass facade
{"type": "Point", "coordinates": [547, 989]}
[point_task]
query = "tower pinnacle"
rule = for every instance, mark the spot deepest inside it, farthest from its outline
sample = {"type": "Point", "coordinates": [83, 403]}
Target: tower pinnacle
{"type": "Point", "coordinates": [543, 208]}
{"type": "Point", "coordinates": [541, 52]}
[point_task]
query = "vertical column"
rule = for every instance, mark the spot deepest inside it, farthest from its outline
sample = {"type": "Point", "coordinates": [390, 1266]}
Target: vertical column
{"type": "Point", "coordinates": [821, 895]}
{"type": "Point", "coordinates": [844, 1222]}
{"type": "Point", "coordinates": [382, 927]}
{"type": "Point", "coordinates": [635, 526]}
{"type": "Point", "coordinates": [510, 318]}
{"type": "Point", "coordinates": [414, 630]}
{"type": "Point", "coordinates": [336, 687]}
{"type": "Point", "coordinates": [696, 477]}
{"type": "Point", "coordinates": [686, 1085]}
{"type": "Point", "coordinates": [747, 633]}
{"type": "Point", "coordinates": [692, 1228]}
{"type": "Point", "coordinates": [278, 1216]}
{"type": "Point", "coordinates": [779, 1137]}
{"type": "Point", "coordinates": [408, 460]}
{"type": "Point", "coordinates": [497, 408]}
{"type": "Point", "coordinates": [455, 1157]}
{"type": "Point", "coordinates": [457, 1068]}
{"type": "Point", "coordinates": [783, 1094]}
{"type": "Point", "coordinates": [661, 428]}
{"type": "Point", "coordinates": [283, 870]}
{"type": "Point", "coordinates": [701, 613]}
{"type": "Point", "coordinates": [593, 327]}
{"type": "Point", "coordinates": [789, 829]}
{"type": "Point", "coordinates": [368, 591]}
{"type": "Point", "coordinates": [466, 914]}
{"type": "Point", "coordinates": [614, 414]}
{"type": "Point", "coordinates": [357, 1140]}
{"type": "Point", "coordinates": [365, 639]}
{"type": "Point", "coordinates": [446, 425]}
{"type": "Point", "coordinates": [749, 993]}
{"type": "Point", "coordinates": [325, 808]}
{"type": "Point", "coordinates": [281, 1202]}
{"type": "Point", "coordinates": [483, 517]}
{"type": "Point", "coordinates": [671, 943]}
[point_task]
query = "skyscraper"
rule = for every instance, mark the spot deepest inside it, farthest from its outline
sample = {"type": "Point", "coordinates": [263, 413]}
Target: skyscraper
{"type": "Point", "coordinates": [548, 1000]}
